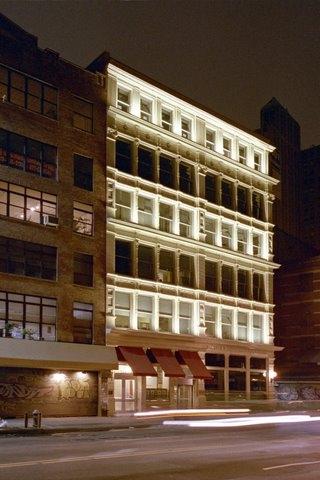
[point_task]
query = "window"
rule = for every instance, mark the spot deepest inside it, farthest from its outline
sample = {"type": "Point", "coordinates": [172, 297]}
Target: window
{"type": "Point", "coordinates": [28, 93]}
{"type": "Point", "coordinates": [123, 99]}
{"type": "Point", "coordinates": [83, 269]}
{"type": "Point", "coordinates": [242, 200]}
{"type": "Point", "coordinates": [145, 164]}
{"type": "Point", "coordinates": [210, 188]}
{"type": "Point", "coordinates": [257, 161]}
{"type": "Point", "coordinates": [226, 324]}
{"type": "Point", "coordinates": [145, 311]}
{"type": "Point", "coordinates": [166, 266]}
{"type": "Point", "coordinates": [210, 230]}
{"type": "Point", "coordinates": [166, 119]}
{"type": "Point", "coordinates": [257, 206]}
{"type": "Point", "coordinates": [83, 172]}
{"type": "Point", "coordinates": [242, 240]}
{"type": "Point", "coordinates": [210, 320]}
{"type": "Point", "coordinates": [122, 310]}
{"type": "Point", "coordinates": [166, 173]}
{"type": "Point", "coordinates": [227, 147]}
{"type": "Point", "coordinates": [210, 139]}
{"type": "Point", "coordinates": [185, 223]}
{"type": "Point", "coordinates": [256, 244]}
{"type": "Point", "coordinates": [186, 178]}
{"type": "Point", "coordinates": [186, 271]}
{"type": "Point", "coordinates": [243, 283]}
{"type": "Point", "coordinates": [26, 316]}
{"type": "Point", "coordinates": [237, 361]}
{"type": "Point", "coordinates": [82, 322]}
{"type": "Point", "coordinates": [186, 128]}
{"type": "Point", "coordinates": [123, 156]}
{"type": "Point", "coordinates": [166, 217]}
{"type": "Point", "coordinates": [185, 317]}
{"type": "Point", "coordinates": [146, 109]}
{"type": "Point", "coordinates": [257, 328]}
{"type": "Point", "coordinates": [82, 218]}
{"type": "Point", "coordinates": [242, 326]}
{"type": "Point", "coordinates": [82, 114]}
{"type": "Point", "coordinates": [227, 280]}
{"type": "Point", "coordinates": [211, 269]}
{"type": "Point", "coordinates": [26, 204]}
{"type": "Point", "coordinates": [242, 154]}
{"type": "Point", "coordinates": [165, 315]}
{"type": "Point", "coordinates": [26, 154]}
{"type": "Point", "coordinates": [28, 259]}
{"type": "Point", "coordinates": [258, 287]}
{"type": "Point", "coordinates": [146, 262]}
{"type": "Point", "coordinates": [226, 194]}
{"type": "Point", "coordinates": [123, 260]}
{"type": "Point", "coordinates": [123, 205]}
{"type": "Point", "coordinates": [226, 235]}
{"type": "Point", "coordinates": [145, 211]}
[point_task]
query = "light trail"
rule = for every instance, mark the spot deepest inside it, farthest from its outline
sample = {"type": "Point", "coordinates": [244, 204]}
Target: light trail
{"type": "Point", "coordinates": [192, 412]}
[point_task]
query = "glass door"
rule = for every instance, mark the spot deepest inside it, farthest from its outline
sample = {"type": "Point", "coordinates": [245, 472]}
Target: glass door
{"type": "Point", "coordinates": [185, 396]}
{"type": "Point", "coordinates": [124, 395]}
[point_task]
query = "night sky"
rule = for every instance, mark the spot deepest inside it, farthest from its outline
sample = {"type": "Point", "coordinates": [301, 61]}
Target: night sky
{"type": "Point", "coordinates": [231, 56]}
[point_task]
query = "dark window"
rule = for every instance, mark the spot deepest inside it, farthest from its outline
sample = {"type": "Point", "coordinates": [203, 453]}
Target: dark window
{"type": "Point", "coordinates": [243, 283]}
{"type": "Point", "coordinates": [185, 178]}
{"type": "Point", "coordinates": [227, 279]}
{"type": "Point", "coordinates": [237, 361]}
{"type": "Point", "coordinates": [257, 363]}
{"type": "Point", "coordinates": [82, 322]}
{"type": "Point", "coordinates": [27, 316]}
{"type": "Point", "coordinates": [237, 381]}
{"type": "Point", "coordinates": [28, 93]}
{"type": "Point", "coordinates": [166, 172]}
{"type": "Point", "coordinates": [214, 360]}
{"type": "Point", "coordinates": [123, 156]}
{"type": "Point", "coordinates": [211, 276]}
{"type": "Point", "coordinates": [26, 258]}
{"type": "Point", "coordinates": [258, 287]}
{"type": "Point", "coordinates": [186, 271]}
{"type": "Point", "coordinates": [210, 188]}
{"type": "Point", "coordinates": [226, 194]}
{"type": "Point", "coordinates": [83, 269]}
{"type": "Point", "coordinates": [83, 172]}
{"type": "Point", "coordinates": [242, 200]}
{"type": "Point", "coordinates": [27, 154]}
{"type": "Point", "coordinates": [145, 164]}
{"type": "Point", "coordinates": [123, 260]}
{"type": "Point", "coordinates": [257, 206]}
{"type": "Point", "coordinates": [82, 114]}
{"type": "Point", "coordinates": [166, 266]}
{"type": "Point", "coordinates": [146, 262]}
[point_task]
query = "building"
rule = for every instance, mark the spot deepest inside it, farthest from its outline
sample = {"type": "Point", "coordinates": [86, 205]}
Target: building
{"type": "Point", "coordinates": [309, 185]}
{"type": "Point", "coordinates": [52, 232]}
{"type": "Point", "coordinates": [189, 242]}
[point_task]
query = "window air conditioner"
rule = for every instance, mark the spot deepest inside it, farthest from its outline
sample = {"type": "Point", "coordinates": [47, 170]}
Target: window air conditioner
{"type": "Point", "coordinates": [50, 220]}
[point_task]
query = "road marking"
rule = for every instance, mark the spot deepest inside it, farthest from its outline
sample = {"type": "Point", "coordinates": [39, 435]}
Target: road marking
{"type": "Point", "coordinates": [287, 465]}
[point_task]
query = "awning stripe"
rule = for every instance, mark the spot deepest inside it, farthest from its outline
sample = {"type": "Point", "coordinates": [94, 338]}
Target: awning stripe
{"type": "Point", "coordinates": [138, 361]}
{"type": "Point", "coordinates": [168, 362]}
{"type": "Point", "coordinates": [195, 364]}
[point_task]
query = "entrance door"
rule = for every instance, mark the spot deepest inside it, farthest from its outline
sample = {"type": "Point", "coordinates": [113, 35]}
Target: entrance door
{"type": "Point", "coordinates": [124, 395]}
{"type": "Point", "coordinates": [185, 396]}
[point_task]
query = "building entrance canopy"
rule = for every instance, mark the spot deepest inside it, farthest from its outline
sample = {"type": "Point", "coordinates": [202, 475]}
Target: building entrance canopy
{"type": "Point", "coordinates": [168, 362]}
{"type": "Point", "coordinates": [195, 364]}
{"type": "Point", "coordinates": [138, 361]}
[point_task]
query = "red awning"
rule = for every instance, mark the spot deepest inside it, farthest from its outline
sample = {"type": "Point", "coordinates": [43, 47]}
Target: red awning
{"type": "Point", "coordinates": [168, 362]}
{"type": "Point", "coordinates": [195, 364]}
{"type": "Point", "coordinates": [138, 361]}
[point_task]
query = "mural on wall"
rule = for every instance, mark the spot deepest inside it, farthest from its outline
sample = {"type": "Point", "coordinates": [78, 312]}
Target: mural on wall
{"type": "Point", "coordinates": [64, 393]}
{"type": "Point", "coordinates": [292, 391]}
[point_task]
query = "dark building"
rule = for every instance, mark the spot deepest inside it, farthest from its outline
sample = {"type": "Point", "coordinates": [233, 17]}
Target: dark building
{"type": "Point", "coordinates": [309, 182]}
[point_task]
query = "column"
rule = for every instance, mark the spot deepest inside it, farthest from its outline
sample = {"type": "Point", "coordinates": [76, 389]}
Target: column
{"type": "Point", "coordinates": [226, 377]}
{"type": "Point", "coordinates": [248, 383]}
{"type": "Point", "coordinates": [105, 394]}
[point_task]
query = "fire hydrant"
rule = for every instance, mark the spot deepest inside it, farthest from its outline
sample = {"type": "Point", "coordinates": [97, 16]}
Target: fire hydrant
{"type": "Point", "coordinates": [36, 416]}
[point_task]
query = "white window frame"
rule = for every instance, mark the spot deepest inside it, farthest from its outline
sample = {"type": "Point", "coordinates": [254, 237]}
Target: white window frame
{"type": "Point", "coordinates": [257, 166]}
{"type": "Point", "coordinates": [150, 114]}
{"type": "Point", "coordinates": [168, 109]}
{"type": "Point", "coordinates": [227, 152]}
{"type": "Point", "coordinates": [211, 144]}
{"type": "Point", "coordinates": [149, 215]}
{"type": "Point", "coordinates": [120, 102]}
{"type": "Point", "coordinates": [130, 192]}
{"type": "Point", "coordinates": [187, 134]}
{"type": "Point", "coordinates": [191, 317]}
{"type": "Point", "coordinates": [243, 159]}
{"type": "Point", "coordinates": [191, 225]}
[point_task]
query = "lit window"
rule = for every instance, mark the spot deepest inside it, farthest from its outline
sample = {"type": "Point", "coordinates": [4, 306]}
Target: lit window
{"type": "Point", "coordinates": [242, 326]}
{"type": "Point", "coordinates": [226, 324]}
{"type": "Point", "coordinates": [166, 217]}
{"type": "Point", "coordinates": [122, 310]}
{"type": "Point", "coordinates": [226, 236]}
{"type": "Point", "coordinates": [145, 211]}
{"type": "Point", "coordinates": [123, 99]}
{"type": "Point", "coordinates": [210, 230]}
{"type": "Point", "coordinates": [146, 109]}
{"type": "Point", "coordinates": [242, 154]}
{"type": "Point", "coordinates": [210, 139]}
{"type": "Point", "coordinates": [165, 315]}
{"type": "Point", "coordinates": [256, 242]}
{"type": "Point", "coordinates": [185, 223]}
{"type": "Point", "coordinates": [242, 240]}
{"type": "Point", "coordinates": [145, 311]}
{"type": "Point", "coordinates": [227, 147]}
{"type": "Point", "coordinates": [210, 320]}
{"type": "Point", "coordinates": [166, 119]}
{"type": "Point", "coordinates": [257, 328]}
{"type": "Point", "coordinates": [186, 128]}
{"type": "Point", "coordinates": [257, 158]}
{"type": "Point", "coordinates": [82, 218]}
{"type": "Point", "coordinates": [123, 205]}
{"type": "Point", "coordinates": [185, 317]}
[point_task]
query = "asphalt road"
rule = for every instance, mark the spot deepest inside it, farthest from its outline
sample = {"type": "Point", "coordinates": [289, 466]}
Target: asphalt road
{"type": "Point", "coordinates": [282, 452]}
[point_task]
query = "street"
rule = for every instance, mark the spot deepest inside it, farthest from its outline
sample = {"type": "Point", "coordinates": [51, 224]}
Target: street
{"type": "Point", "coordinates": [288, 451]}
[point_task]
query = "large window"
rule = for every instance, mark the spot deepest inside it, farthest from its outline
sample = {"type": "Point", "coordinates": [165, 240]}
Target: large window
{"type": "Point", "coordinates": [122, 310]}
{"type": "Point", "coordinates": [210, 188]}
{"type": "Point", "coordinates": [257, 328]}
{"type": "Point", "coordinates": [256, 244]}
{"type": "Point", "coordinates": [146, 262]}
{"type": "Point", "coordinates": [27, 316]}
{"type": "Point", "coordinates": [26, 154]}
{"type": "Point", "coordinates": [242, 326]}
{"type": "Point", "coordinates": [242, 235]}
{"type": "Point", "coordinates": [82, 218]}
{"type": "Point", "coordinates": [145, 310]}
{"type": "Point", "coordinates": [166, 266]}
{"type": "Point", "coordinates": [226, 194]}
{"type": "Point", "coordinates": [82, 322]}
{"type": "Point", "coordinates": [186, 178]}
{"type": "Point", "coordinates": [145, 164]}
{"type": "Point", "coordinates": [185, 223]}
{"type": "Point", "coordinates": [243, 283]}
{"type": "Point", "coordinates": [211, 276]}
{"type": "Point", "coordinates": [123, 205]}
{"type": "Point", "coordinates": [28, 93]}
{"type": "Point", "coordinates": [26, 258]}
{"type": "Point", "coordinates": [83, 269]}
{"type": "Point", "coordinates": [123, 260]}
{"type": "Point", "coordinates": [227, 284]}
{"type": "Point", "coordinates": [83, 172]}
{"type": "Point", "coordinates": [226, 324]}
{"type": "Point", "coordinates": [82, 114]}
{"type": "Point", "coordinates": [166, 171]}
{"type": "Point", "coordinates": [185, 318]}
{"type": "Point", "coordinates": [226, 236]}
{"type": "Point", "coordinates": [123, 156]}
{"type": "Point", "coordinates": [210, 320]}
{"type": "Point", "coordinates": [145, 211]}
{"type": "Point", "coordinates": [26, 204]}
{"type": "Point", "coordinates": [186, 271]}
{"type": "Point", "coordinates": [165, 315]}
{"type": "Point", "coordinates": [166, 217]}
{"type": "Point", "coordinates": [210, 230]}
